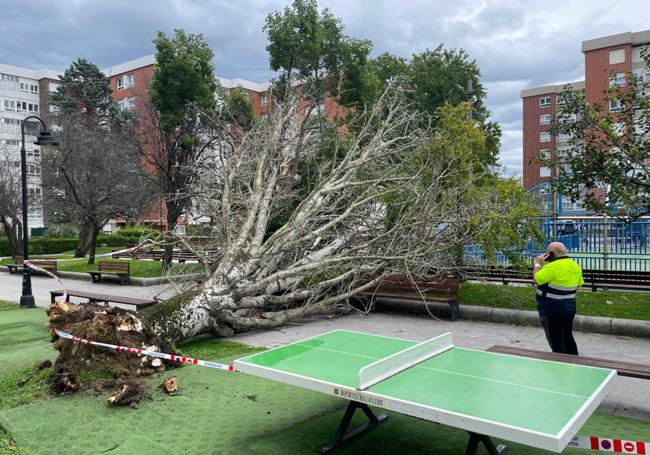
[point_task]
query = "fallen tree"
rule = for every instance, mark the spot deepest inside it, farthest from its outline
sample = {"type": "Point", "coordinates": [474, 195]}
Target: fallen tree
{"type": "Point", "coordinates": [389, 197]}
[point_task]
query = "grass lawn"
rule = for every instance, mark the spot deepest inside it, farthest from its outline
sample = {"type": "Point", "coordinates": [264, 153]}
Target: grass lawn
{"type": "Point", "coordinates": [627, 305]}
{"type": "Point", "coordinates": [214, 412]}
{"type": "Point", "coordinates": [140, 269]}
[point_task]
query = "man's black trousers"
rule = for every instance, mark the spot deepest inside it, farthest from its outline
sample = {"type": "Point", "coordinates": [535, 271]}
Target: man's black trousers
{"type": "Point", "coordinates": [559, 333]}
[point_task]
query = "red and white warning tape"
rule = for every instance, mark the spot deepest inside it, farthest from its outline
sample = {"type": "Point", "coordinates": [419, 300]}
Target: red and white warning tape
{"type": "Point", "coordinates": [610, 445]}
{"type": "Point", "coordinates": [140, 351]}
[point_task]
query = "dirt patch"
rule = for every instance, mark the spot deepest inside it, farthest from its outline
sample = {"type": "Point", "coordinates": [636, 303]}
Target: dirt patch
{"type": "Point", "coordinates": [81, 366]}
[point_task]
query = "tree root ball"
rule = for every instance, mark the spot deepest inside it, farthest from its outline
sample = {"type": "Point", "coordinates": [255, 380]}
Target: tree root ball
{"type": "Point", "coordinates": [80, 366]}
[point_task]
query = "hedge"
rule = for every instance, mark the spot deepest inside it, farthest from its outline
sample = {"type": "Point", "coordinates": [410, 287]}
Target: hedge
{"type": "Point", "coordinates": [48, 245]}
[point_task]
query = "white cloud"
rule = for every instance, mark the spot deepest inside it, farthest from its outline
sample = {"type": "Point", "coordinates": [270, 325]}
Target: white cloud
{"type": "Point", "coordinates": [517, 44]}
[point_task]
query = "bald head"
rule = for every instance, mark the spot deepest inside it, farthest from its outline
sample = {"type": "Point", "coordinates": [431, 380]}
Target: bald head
{"type": "Point", "coordinates": [557, 248]}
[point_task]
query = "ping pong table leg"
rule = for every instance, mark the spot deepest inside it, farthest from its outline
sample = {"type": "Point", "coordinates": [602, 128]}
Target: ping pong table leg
{"type": "Point", "coordinates": [475, 439]}
{"type": "Point", "coordinates": [343, 436]}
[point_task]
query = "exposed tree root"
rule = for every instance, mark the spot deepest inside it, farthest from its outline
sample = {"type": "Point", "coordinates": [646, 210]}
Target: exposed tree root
{"type": "Point", "coordinates": [80, 366]}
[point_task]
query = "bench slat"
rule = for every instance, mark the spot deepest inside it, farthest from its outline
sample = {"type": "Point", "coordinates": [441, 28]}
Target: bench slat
{"type": "Point", "coordinates": [138, 303]}
{"type": "Point", "coordinates": [629, 369]}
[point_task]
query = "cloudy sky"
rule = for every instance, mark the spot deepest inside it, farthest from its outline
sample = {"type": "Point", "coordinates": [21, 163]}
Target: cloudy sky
{"type": "Point", "coordinates": [517, 44]}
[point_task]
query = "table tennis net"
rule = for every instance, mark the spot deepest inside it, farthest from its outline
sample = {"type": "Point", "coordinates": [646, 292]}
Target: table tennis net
{"type": "Point", "coordinates": [389, 366]}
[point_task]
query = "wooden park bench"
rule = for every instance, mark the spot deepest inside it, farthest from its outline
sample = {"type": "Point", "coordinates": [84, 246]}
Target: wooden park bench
{"type": "Point", "coordinates": [505, 275]}
{"type": "Point", "coordinates": [48, 264]}
{"type": "Point", "coordinates": [139, 304]}
{"type": "Point", "coordinates": [633, 370]}
{"type": "Point", "coordinates": [427, 288]}
{"type": "Point", "coordinates": [120, 269]}
{"type": "Point", "coordinates": [616, 279]}
{"type": "Point", "coordinates": [594, 278]}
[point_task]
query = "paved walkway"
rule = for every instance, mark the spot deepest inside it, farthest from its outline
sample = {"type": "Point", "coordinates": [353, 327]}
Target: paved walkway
{"type": "Point", "coordinates": [630, 397]}
{"type": "Point", "coordinates": [11, 288]}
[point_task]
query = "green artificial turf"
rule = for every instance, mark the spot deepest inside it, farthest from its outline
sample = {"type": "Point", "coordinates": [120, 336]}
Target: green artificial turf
{"type": "Point", "coordinates": [232, 413]}
{"type": "Point", "coordinates": [614, 304]}
{"type": "Point", "coordinates": [23, 337]}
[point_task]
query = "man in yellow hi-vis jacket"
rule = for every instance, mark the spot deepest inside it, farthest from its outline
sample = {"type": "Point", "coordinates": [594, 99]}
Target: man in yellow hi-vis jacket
{"type": "Point", "coordinates": [558, 279]}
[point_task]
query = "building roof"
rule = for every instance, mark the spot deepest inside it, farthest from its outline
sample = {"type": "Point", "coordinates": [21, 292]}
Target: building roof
{"type": "Point", "coordinates": [249, 85]}
{"type": "Point", "coordinates": [29, 73]}
{"type": "Point", "coordinates": [548, 89]}
{"type": "Point", "coordinates": [125, 67]}
{"type": "Point", "coordinates": [131, 65]}
{"type": "Point", "coordinates": [633, 38]}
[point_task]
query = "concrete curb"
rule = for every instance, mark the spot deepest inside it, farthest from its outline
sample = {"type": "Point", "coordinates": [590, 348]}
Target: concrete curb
{"type": "Point", "coordinates": [593, 324]}
{"type": "Point", "coordinates": [135, 281]}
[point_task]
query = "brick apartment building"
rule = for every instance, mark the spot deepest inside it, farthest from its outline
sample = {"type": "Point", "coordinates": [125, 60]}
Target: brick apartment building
{"type": "Point", "coordinates": [25, 91]}
{"type": "Point", "coordinates": [608, 60]}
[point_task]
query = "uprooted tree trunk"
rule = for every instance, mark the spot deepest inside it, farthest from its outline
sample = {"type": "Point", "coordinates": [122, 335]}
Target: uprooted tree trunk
{"type": "Point", "coordinates": [115, 369]}
{"type": "Point", "coordinates": [391, 199]}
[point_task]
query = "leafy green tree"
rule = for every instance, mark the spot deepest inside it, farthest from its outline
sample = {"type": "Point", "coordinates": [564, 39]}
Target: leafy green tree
{"type": "Point", "coordinates": [84, 88]}
{"type": "Point", "coordinates": [238, 108]}
{"type": "Point", "coordinates": [436, 77]}
{"type": "Point", "coordinates": [608, 162]}
{"type": "Point", "coordinates": [310, 46]}
{"type": "Point", "coordinates": [183, 86]}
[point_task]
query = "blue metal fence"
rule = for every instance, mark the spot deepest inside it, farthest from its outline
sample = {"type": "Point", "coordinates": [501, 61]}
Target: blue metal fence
{"type": "Point", "coordinates": [608, 245]}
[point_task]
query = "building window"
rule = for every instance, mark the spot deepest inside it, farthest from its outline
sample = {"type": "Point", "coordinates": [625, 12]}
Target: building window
{"type": "Point", "coordinates": [33, 170]}
{"type": "Point", "coordinates": [11, 121]}
{"type": "Point", "coordinates": [24, 86]}
{"type": "Point", "coordinates": [33, 88]}
{"type": "Point", "coordinates": [8, 77]}
{"type": "Point", "coordinates": [615, 105]}
{"type": "Point", "coordinates": [616, 56]}
{"type": "Point", "coordinates": [32, 107]}
{"type": "Point", "coordinates": [125, 81]}
{"type": "Point", "coordinates": [544, 171]}
{"type": "Point", "coordinates": [36, 153]}
{"type": "Point", "coordinates": [564, 136]}
{"type": "Point", "coordinates": [34, 192]}
{"type": "Point", "coordinates": [617, 79]}
{"type": "Point", "coordinates": [10, 105]}
{"type": "Point", "coordinates": [569, 117]}
{"type": "Point", "coordinates": [545, 154]}
{"type": "Point", "coordinates": [544, 136]}
{"type": "Point", "coordinates": [11, 141]}
{"type": "Point", "coordinates": [545, 101]}
{"type": "Point", "coordinates": [127, 103]}
{"type": "Point", "coordinates": [562, 152]}
{"type": "Point", "coordinates": [545, 119]}
{"type": "Point", "coordinates": [264, 100]}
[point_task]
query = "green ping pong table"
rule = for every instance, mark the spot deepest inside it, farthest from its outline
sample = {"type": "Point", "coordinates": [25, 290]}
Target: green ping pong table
{"type": "Point", "coordinates": [534, 402]}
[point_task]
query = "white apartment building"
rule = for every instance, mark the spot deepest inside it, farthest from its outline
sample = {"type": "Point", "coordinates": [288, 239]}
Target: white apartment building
{"type": "Point", "coordinates": [20, 97]}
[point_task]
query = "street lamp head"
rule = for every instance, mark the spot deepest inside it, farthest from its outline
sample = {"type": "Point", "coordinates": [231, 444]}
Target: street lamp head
{"type": "Point", "coordinates": [46, 138]}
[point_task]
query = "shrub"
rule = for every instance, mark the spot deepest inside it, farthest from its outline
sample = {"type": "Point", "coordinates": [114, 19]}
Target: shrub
{"type": "Point", "coordinates": [137, 231]}
{"type": "Point", "coordinates": [61, 231]}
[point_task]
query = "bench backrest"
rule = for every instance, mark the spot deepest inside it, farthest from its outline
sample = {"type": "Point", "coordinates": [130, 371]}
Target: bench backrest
{"type": "Point", "coordinates": [447, 285]}
{"type": "Point", "coordinates": [114, 266]}
{"type": "Point", "coordinates": [44, 262]}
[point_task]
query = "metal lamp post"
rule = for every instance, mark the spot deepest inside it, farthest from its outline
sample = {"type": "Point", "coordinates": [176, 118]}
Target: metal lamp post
{"type": "Point", "coordinates": [45, 138]}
